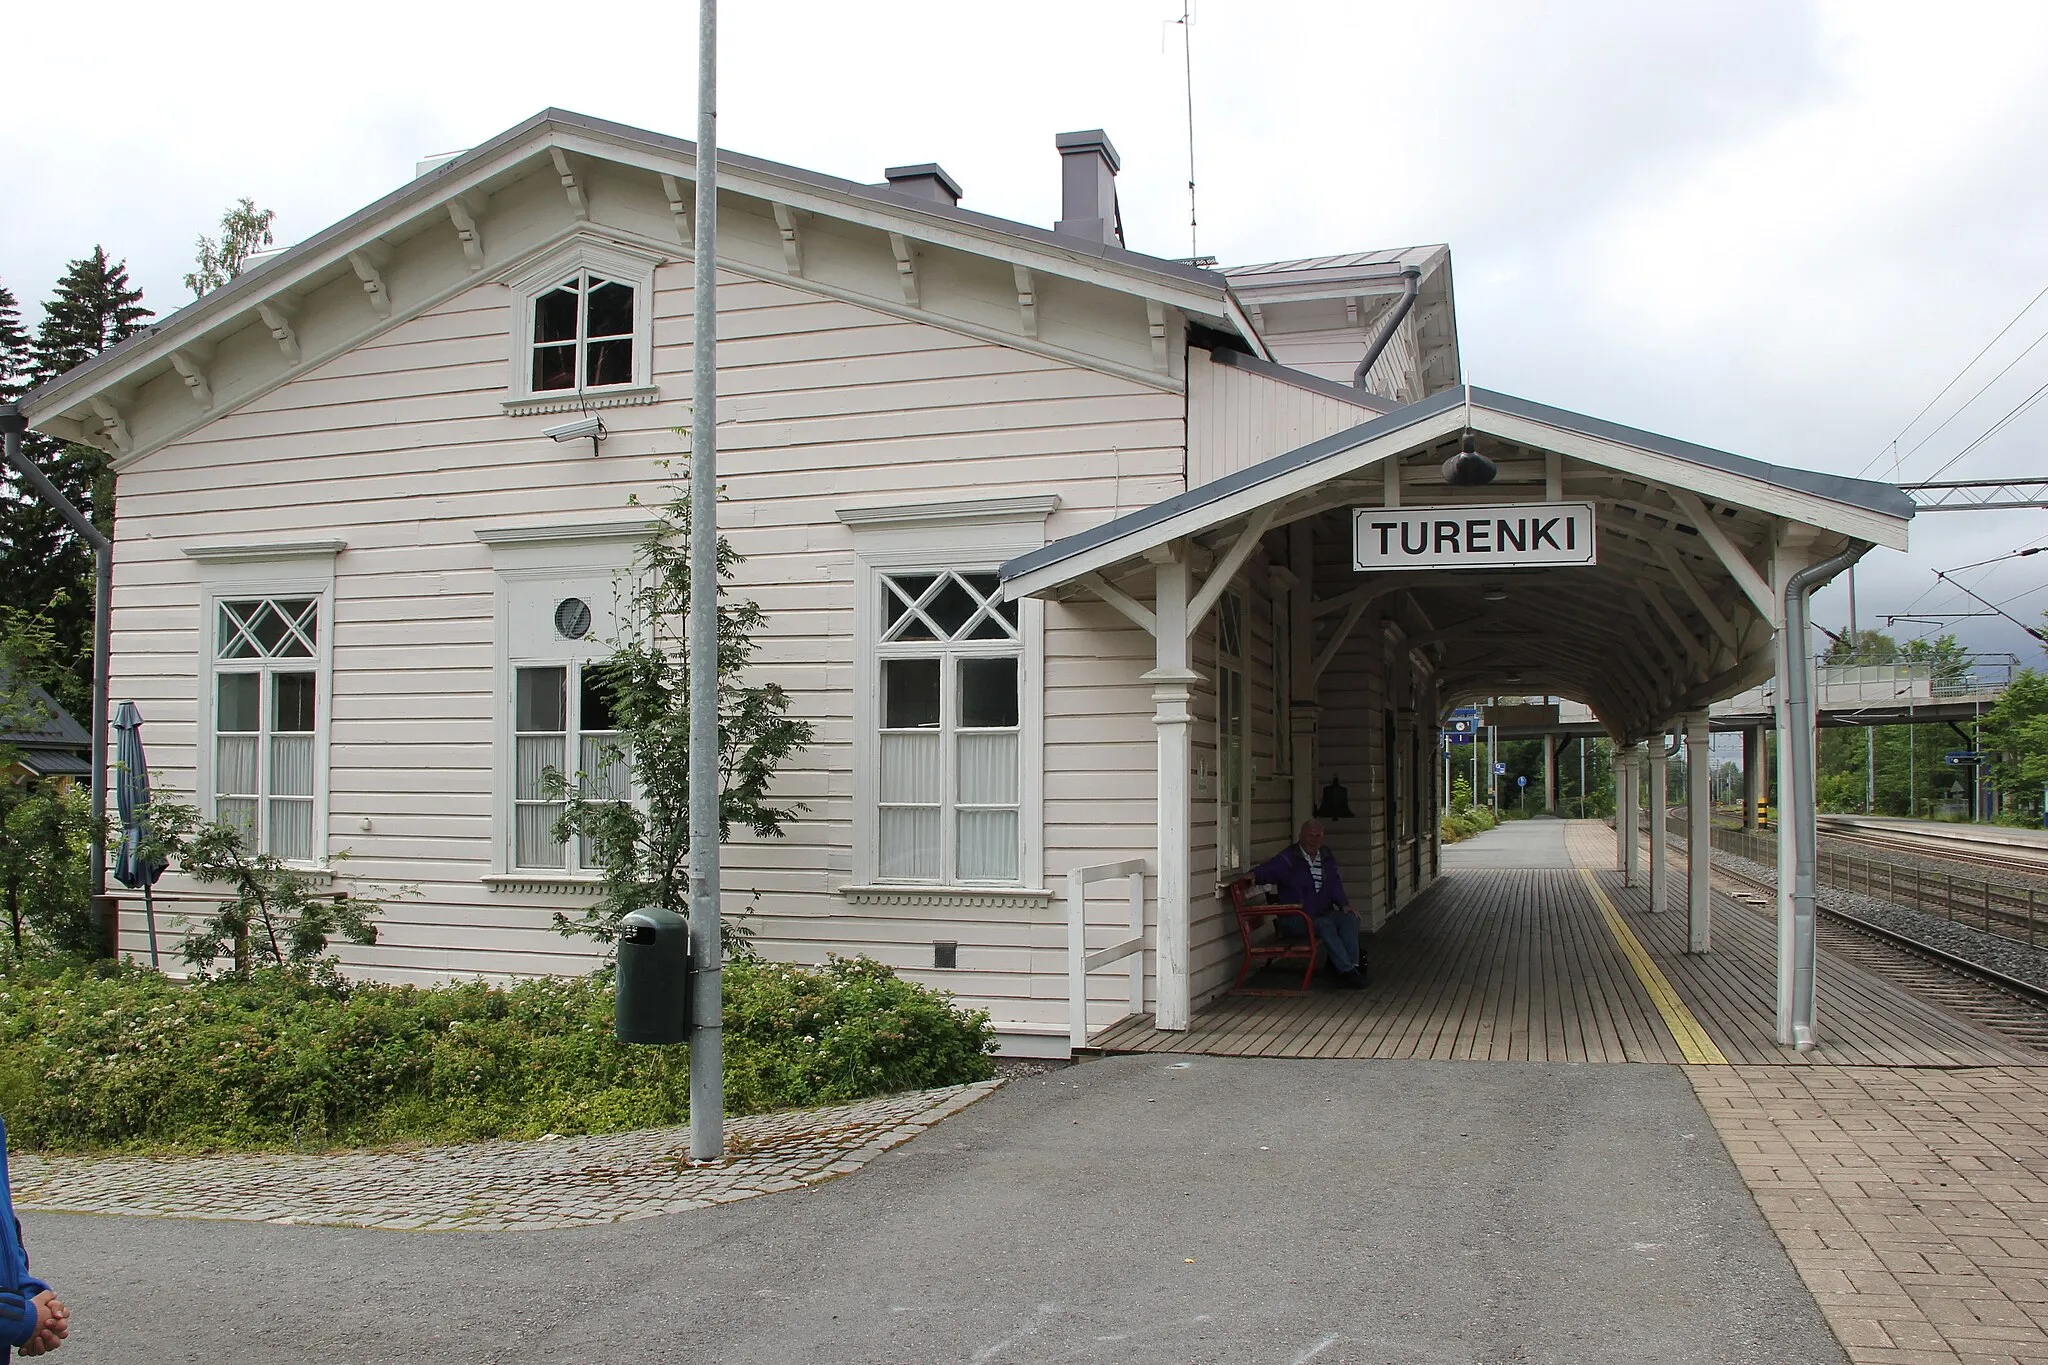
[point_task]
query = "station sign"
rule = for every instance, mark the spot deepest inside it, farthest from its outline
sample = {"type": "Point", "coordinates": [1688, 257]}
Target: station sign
{"type": "Point", "coordinates": [1516, 535]}
{"type": "Point", "coordinates": [1963, 758]}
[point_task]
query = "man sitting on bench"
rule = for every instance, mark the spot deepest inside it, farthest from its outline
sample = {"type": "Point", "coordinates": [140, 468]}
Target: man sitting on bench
{"type": "Point", "coordinates": [1306, 875]}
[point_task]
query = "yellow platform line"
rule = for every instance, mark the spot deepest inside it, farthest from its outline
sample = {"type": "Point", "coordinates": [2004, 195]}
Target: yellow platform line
{"type": "Point", "coordinates": [1693, 1043]}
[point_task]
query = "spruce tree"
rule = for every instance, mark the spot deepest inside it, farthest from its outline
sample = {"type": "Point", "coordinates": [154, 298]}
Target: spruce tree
{"type": "Point", "coordinates": [45, 568]}
{"type": "Point", "coordinates": [14, 349]}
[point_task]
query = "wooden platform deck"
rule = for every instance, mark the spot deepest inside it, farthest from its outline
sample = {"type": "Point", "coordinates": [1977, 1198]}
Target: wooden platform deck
{"type": "Point", "coordinates": [1529, 964]}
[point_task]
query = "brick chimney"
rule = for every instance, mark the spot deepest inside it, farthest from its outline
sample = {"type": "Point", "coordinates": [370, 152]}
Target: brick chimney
{"type": "Point", "coordinates": [928, 181]}
{"type": "Point", "coordinates": [1088, 167]}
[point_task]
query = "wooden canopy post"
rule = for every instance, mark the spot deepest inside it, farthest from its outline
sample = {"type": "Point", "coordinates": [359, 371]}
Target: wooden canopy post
{"type": "Point", "coordinates": [1172, 680]}
{"type": "Point", "coordinates": [1699, 833]}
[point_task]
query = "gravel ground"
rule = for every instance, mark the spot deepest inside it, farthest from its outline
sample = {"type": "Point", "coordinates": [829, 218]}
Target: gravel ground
{"type": "Point", "coordinates": [1987, 950]}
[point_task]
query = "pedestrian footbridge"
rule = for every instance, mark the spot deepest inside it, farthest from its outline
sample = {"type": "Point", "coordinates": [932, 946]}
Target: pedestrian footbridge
{"type": "Point", "coordinates": [1531, 948]}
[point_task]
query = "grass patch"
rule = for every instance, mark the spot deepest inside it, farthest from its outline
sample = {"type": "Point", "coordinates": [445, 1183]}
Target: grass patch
{"type": "Point", "coordinates": [125, 1059]}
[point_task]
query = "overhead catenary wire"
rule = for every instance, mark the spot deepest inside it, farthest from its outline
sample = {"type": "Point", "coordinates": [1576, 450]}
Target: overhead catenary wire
{"type": "Point", "coordinates": [2034, 631]}
{"type": "Point", "coordinates": [2013, 414]}
{"type": "Point", "coordinates": [1893, 444]}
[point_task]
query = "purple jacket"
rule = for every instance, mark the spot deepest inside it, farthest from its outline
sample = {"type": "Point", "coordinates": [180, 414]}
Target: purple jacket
{"type": "Point", "coordinates": [1289, 871]}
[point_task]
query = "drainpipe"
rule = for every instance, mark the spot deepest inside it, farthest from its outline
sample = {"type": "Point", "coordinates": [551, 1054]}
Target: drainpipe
{"type": "Point", "coordinates": [1799, 798]}
{"type": "Point", "coordinates": [12, 425]}
{"type": "Point", "coordinates": [1411, 281]}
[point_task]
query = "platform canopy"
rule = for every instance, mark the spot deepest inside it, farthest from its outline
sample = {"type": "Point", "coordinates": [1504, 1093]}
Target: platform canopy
{"type": "Point", "coordinates": [1678, 608]}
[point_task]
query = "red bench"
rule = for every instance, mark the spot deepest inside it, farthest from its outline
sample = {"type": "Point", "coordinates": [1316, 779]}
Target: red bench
{"type": "Point", "coordinates": [1257, 952]}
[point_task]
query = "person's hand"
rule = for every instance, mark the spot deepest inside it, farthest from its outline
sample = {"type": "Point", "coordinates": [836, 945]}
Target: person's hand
{"type": "Point", "coordinates": [53, 1324]}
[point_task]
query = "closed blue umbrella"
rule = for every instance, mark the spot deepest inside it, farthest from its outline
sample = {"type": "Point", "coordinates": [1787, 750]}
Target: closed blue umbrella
{"type": "Point", "coordinates": [131, 795]}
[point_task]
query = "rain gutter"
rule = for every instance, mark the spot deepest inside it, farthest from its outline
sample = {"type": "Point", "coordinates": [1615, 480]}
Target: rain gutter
{"type": "Point", "coordinates": [12, 425]}
{"type": "Point", "coordinates": [1411, 283]}
{"type": "Point", "coordinates": [1796, 1028]}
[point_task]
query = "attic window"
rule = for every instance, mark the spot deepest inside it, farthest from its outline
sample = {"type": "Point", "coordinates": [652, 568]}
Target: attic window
{"type": "Point", "coordinates": [583, 334]}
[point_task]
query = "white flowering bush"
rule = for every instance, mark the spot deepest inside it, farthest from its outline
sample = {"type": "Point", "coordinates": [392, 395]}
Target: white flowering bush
{"type": "Point", "coordinates": [125, 1058]}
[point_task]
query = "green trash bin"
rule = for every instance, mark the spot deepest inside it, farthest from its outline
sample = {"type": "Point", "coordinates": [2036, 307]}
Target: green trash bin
{"type": "Point", "coordinates": [653, 1003]}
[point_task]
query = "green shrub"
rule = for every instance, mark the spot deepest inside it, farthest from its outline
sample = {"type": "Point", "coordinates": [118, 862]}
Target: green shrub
{"type": "Point", "coordinates": [1462, 823]}
{"type": "Point", "coordinates": [124, 1058]}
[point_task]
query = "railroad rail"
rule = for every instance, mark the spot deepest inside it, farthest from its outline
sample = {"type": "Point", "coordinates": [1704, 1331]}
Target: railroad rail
{"type": "Point", "coordinates": [1986, 997]}
{"type": "Point", "coordinates": [1986, 846]}
{"type": "Point", "coordinates": [2019, 913]}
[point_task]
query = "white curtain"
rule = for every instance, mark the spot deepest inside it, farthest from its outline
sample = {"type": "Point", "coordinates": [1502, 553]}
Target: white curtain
{"type": "Point", "coordinates": [988, 769]}
{"type": "Point", "coordinates": [536, 754]}
{"type": "Point", "coordinates": [239, 811]}
{"type": "Point", "coordinates": [911, 769]}
{"type": "Point", "coordinates": [234, 766]}
{"type": "Point", "coordinates": [913, 784]}
{"type": "Point", "coordinates": [605, 778]}
{"type": "Point", "coordinates": [535, 846]}
{"type": "Point", "coordinates": [988, 845]}
{"type": "Point", "coordinates": [910, 843]}
{"type": "Point", "coordinates": [533, 818]}
{"type": "Point", "coordinates": [291, 829]}
{"type": "Point", "coordinates": [291, 765]}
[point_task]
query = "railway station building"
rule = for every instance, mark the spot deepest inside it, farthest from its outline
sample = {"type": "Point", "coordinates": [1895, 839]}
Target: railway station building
{"type": "Point", "coordinates": [1096, 573]}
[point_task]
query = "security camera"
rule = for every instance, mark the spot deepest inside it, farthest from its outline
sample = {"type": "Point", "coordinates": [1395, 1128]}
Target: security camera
{"type": "Point", "coordinates": [582, 429]}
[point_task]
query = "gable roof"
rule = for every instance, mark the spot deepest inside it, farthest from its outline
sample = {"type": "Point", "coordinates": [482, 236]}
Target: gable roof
{"type": "Point", "coordinates": [1212, 504]}
{"type": "Point", "coordinates": [326, 255]}
{"type": "Point", "coordinates": [52, 744]}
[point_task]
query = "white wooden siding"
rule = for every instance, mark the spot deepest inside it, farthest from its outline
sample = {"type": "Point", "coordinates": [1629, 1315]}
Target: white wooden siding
{"type": "Point", "coordinates": [1236, 418]}
{"type": "Point", "coordinates": [400, 449]}
{"type": "Point", "coordinates": [1334, 353]}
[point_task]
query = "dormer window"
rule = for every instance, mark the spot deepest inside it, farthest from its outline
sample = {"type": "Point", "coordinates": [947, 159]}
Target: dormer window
{"type": "Point", "coordinates": [582, 328]}
{"type": "Point", "coordinates": [583, 334]}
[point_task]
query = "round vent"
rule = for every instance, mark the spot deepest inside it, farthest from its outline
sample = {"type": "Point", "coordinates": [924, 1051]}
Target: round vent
{"type": "Point", "coordinates": [572, 618]}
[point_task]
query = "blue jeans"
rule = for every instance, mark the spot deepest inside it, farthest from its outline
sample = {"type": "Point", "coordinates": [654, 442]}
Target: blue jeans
{"type": "Point", "coordinates": [1339, 932]}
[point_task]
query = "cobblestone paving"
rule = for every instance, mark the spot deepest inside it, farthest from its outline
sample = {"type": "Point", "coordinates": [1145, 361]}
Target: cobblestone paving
{"type": "Point", "coordinates": [1913, 1202]}
{"type": "Point", "coordinates": [495, 1186]}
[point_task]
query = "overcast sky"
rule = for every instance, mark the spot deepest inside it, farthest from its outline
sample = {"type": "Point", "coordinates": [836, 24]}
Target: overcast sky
{"type": "Point", "coordinates": [1773, 227]}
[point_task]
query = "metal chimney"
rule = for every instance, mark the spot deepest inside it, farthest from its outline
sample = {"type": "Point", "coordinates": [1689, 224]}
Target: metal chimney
{"type": "Point", "coordinates": [928, 181]}
{"type": "Point", "coordinates": [1088, 167]}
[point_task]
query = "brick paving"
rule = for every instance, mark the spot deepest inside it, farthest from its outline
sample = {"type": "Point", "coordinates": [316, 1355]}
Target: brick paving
{"type": "Point", "coordinates": [1914, 1202]}
{"type": "Point", "coordinates": [494, 1186]}
{"type": "Point", "coordinates": [1591, 843]}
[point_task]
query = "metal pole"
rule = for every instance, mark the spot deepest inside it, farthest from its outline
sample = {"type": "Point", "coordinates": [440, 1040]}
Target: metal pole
{"type": "Point", "coordinates": [12, 425]}
{"type": "Point", "coordinates": [1870, 770]}
{"type": "Point", "coordinates": [707, 947]}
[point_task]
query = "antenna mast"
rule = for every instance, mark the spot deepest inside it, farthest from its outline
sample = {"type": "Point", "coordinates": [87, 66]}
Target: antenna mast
{"type": "Point", "coordinates": [1187, 33]}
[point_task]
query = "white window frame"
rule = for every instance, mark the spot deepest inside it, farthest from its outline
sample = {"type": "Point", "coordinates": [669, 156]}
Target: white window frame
{"type": "Point", "coordinates": [542, 554]}
{"type": "Point", "coordinates": [573, 735]}
{"type": "Point", "coordinates": [238, 573]}
{"type": "Point", "coordinates": [598, 256]}
{"type": "Point", "coordinates": [966, 536]}
{"type": "Point", "coordinates": [949, 654]}
{"type": "Point", "coordinates": [1232, 671]}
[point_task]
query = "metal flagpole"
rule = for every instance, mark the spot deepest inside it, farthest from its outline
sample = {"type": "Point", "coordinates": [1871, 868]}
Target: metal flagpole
{"type": "Point", "coordinates": [707, 948]}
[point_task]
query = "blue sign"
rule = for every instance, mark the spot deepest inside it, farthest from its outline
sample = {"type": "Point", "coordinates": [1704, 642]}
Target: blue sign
{"type": "Point", "coordinates": [1521, 782]}
{"type": "Point", "coordinates": [1500, 769]}
{"type": "Point", "coordinates": [1458, 739]}
{"type": "Point", "coordinates": [1962, 758]}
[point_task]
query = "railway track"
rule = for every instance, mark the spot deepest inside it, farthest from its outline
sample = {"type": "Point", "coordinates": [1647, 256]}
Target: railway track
{"type": "Point", "coordinates": [1989, 999]}
{"type": "Point", "coordinates": [2011, 860]}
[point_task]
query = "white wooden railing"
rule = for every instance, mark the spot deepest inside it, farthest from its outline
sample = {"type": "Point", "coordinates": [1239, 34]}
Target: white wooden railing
{"type": "Point", "coordinates": [1080, 961]}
